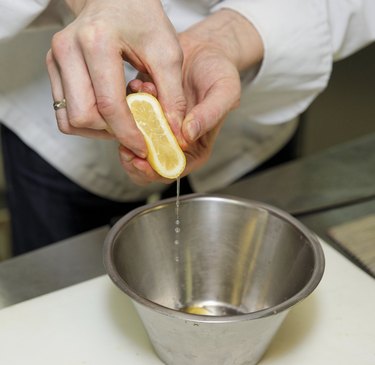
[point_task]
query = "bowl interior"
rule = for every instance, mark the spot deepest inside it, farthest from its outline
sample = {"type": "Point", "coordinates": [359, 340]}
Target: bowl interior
{"type": "Point", "coordinates": [229, 257]}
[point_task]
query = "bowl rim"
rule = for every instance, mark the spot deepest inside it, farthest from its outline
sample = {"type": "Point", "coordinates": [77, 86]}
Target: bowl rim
{"type": "Point", "coordinates": [310, 286]}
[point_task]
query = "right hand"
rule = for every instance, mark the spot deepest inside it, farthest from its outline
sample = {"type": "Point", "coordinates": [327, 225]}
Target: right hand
{"type": "Point", "coordinates": [86, 67]}
{"type": "Point", "coordinates": [215, 51]}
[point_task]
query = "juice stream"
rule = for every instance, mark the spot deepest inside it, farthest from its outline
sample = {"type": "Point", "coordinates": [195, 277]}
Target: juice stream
{"type": "Point", "coordinates": [177, 228]}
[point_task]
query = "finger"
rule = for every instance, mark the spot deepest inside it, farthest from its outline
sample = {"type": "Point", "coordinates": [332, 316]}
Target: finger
{"type": "Point", "coordinates": [136, 175]}
{"type": "Point", "coordinates": [203, 117]}
{"type": "Point", "coordinates": [78, 91]}
{"type": "Point", "coordinates": [57, 92]}
{"type": "Point", "coordinates": [107, 75]}
{"type": "Point", "coordinates": [168, 82]}
{"type": "Point", "coordinates": [144, 77]}
{"type": "Point", "coordinates": [136, 86]}
{"type": "Point", "coordinates": [139, 169]}
{"type": "Point", "coordinates": [61, 114]}
{"type": "Point", "coordinates": [126, 155]}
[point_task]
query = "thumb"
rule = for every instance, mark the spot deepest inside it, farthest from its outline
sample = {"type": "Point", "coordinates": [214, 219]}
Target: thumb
{"type": "Point", "coordinates": [206, 115]}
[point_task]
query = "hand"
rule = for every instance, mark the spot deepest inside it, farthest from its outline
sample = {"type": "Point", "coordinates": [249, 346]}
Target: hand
{"type": "Point", "coordinates": [215, 50]}
{"type": "Point", "coordinates": [86, 60]}
{"type": "Point", "coordinates": [212, 88]}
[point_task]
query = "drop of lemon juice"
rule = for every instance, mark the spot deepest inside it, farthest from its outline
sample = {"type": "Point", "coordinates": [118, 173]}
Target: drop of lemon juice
{"type": "Point", "coordinates": [177, 228]}
{"type": "Point", "coordinates": [192, 309]}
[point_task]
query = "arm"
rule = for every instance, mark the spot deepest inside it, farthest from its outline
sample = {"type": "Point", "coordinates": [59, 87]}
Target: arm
{"type": "Point", "coordinates": [301, 41]}
{"type": "Point", "coordinates": [289, 45]}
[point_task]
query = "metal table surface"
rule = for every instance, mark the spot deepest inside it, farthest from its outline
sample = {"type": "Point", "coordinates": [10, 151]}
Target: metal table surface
{"type": "Point", "coordinates": [328, 188]}
{"type": "Point", "coordinates": [53, 267]}
{"type": "Point", "coordinates": [339, 176]}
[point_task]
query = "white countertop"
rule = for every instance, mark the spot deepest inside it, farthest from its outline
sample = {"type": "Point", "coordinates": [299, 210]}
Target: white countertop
{"type": "Point", "coordinates": [93, 323]}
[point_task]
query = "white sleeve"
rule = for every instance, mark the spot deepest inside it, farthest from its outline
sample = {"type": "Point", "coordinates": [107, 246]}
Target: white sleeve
{"type": "Point", "coordinates": [301, 41]}
{"type": "Point", "coordinates": [16, 15]}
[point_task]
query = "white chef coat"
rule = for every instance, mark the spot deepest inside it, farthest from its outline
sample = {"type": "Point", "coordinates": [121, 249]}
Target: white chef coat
{"type": "Point", "coordinates": [301, 40]}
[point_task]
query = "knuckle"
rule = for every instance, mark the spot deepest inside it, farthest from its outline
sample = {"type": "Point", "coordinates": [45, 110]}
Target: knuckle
{"type": "Point", "coordinates": [106, 106]}
{"type": "Point", "coordinates": [172, 57]}
{"type": "Point", "coordinates": [180, 103]}
{"type": "Point", "coordinates": [64, 129]}
{"type": "Point", "coordinates": [60, 44]}
{"type": "Point", "coordinates": [78, 122]}
{"type": "Point", "coordinates": [49, 58]}
{"type": "Point", "coordinates": [63, 125]}
{"type": "Point", "coordinates": [236, 101]}
{"type": "Point", "coordinates": [92, 36]}
{"type": "Point", "coordinates": [175, 56]}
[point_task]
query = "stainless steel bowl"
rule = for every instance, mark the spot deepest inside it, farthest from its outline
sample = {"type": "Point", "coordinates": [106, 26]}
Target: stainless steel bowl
{"type": "Point", "coordinates": [242, 263]}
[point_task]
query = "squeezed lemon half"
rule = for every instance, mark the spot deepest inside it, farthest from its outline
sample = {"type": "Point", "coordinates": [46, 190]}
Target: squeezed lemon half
{"type": "Point", "coordinates": [164, 153]}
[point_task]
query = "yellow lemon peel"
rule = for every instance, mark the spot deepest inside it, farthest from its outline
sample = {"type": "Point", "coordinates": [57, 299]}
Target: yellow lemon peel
{"type": "Point", "coordinates": [164, 153]}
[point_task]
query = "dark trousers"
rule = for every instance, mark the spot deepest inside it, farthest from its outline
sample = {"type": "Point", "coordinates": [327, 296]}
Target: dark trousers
{"type": "Point", "coordinates": [44, 205]}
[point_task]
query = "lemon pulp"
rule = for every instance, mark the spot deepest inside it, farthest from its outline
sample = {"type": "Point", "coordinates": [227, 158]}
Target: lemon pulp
{"type": "Point", "coordinates": [164, 153]}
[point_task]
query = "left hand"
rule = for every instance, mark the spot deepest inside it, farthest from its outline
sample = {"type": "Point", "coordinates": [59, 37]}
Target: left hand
{"type": "Point", "coordinates": [211, 84]}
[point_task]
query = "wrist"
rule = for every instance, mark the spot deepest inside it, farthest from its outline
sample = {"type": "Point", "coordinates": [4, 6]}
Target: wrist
{"type": "Point", "coordinates": [233, 34]}
{"type": "Point", "coordinates": [75, 6]}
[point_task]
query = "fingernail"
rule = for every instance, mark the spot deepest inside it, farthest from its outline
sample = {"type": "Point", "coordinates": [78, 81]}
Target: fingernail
{"type": "Point", "coordinates": [140, 153]}
{"type": "Point", "coordinates": [193, 129]}
{"type": "Point", "coordinates": [126, 156]}
{"type": "Point", "coordinates": [138, 165]}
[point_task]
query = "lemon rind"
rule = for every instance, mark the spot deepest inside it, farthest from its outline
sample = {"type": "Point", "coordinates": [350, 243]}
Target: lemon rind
{"type": "Point", "coordinates": [171, 174]}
